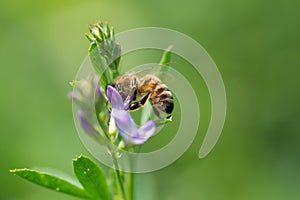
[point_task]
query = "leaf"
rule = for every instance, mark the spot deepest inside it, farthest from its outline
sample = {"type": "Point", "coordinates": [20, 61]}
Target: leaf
{"type": "Point", "coordinates": [166, 57]}
{"type": "Point", "coordinates": [165, 60]}
{"type": "Point", "coordinates": [52, 182]}
{"type": "Point", "coordinates": [91, 178]}
{"type": "Point", "coordinates": [116, 55]}
{"type": "Point", "coordinates": [100, 65]}
{"type": "Point", "coordinates": [146, 112]}
{"type": "Point", "coordinates": [104, 52]}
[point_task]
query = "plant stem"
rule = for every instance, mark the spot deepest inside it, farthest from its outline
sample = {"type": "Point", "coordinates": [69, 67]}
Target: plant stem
{"type": "Point", "coordinates": [117, 172]}
{"type": "Point", "coordinates": [131, 185]}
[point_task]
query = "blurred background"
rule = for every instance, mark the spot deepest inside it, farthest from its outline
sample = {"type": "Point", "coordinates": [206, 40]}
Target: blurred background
{"type": "Point", "coordinates": [255, 44]}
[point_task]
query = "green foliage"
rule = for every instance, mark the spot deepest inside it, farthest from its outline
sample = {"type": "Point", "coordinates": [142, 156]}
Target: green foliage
{"type": "Point", "coordinates": [105, 57]}
{"type": "Point", "coordinates": [99, 64]}
{"type": "Point", "coordinates": [91, 178]}
{"type": "Point", "coordinates": [105, 53]}
{"type": "Point", "coordinates": [87, 172]}
{"type": "Point", "coordinates": [166, 57]}
{"type": "Point", "coordinates": [52, 182]}
{"type": "Point", "coordinates": [255, 45]}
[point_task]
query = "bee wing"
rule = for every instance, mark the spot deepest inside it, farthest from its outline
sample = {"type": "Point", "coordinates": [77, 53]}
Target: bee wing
{"type": "Point", "coordinates": [166, 77]}
{"type": "Point", "coordinates": [160, 71]}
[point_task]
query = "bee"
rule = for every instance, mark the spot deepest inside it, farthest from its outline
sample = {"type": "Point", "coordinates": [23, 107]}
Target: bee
{"type": "Point", "coordinates": [148, 87]}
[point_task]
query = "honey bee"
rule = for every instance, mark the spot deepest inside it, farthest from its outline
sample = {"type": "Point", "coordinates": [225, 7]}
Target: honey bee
{"type": "Point", "coordinates": [149, 87]}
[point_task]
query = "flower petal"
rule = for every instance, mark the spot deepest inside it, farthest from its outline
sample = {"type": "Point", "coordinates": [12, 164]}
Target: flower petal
{"type": "Point", "coordinates": [128, 129]}
{"type": "Point", "coordinates": [124, 122]}
{"type": "Point", "coordinates": [147, 129]}
{"type": "Point", "coordinates": [72, 96]}
{"type": "Point", "coordinates": [96, 80]}
{"type": "Point", "coordinates": [85, 124]}
{"type": "Point", "coordinates": [114, 98]}
{"type": "Point", "coordinates": [144, 133]}
{"type": "Point", "coordinates": [98, 91]}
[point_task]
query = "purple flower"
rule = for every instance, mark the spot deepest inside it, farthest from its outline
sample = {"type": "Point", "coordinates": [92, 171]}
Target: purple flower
{"type": "Point", "coordinates": [85, 124]}
{"type": "Point", "coordinates": [128, 129]}
{"type": "Point", "coordinates": [96, 85]}
{"type": "Point", "coordinates": [74, 97]}
{"type": "Point", "coordinates": [114, 98]}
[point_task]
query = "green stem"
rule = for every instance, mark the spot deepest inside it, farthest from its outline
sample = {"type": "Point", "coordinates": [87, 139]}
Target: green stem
{"type": "Point", "coordinates": [131, 175]}
{"type": "Point", "coordinates": [131, 185]}
{"type": "Point", "coordinates": [117, 172]}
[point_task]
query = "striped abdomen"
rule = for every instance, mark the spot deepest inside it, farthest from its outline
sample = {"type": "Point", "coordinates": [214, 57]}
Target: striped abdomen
{"type": "Point", "coordinates": [160, 96]}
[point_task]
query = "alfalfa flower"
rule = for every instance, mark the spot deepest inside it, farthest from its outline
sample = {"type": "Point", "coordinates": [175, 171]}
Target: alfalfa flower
{"type": "Point", "coordinates": [86, 124]}
{"type": "Point", "coordinates": [130, 132]}
{"type": "Point", "coordinates": [92, 114]}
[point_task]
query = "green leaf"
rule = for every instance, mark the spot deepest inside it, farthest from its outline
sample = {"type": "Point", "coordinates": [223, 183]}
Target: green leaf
{"type": "Point", "coordinates": [91, 178]}
{"type": "Point", "coordinates": [100, 65]}
{"type": "Point", "coordinates": [52, 182]}
{"type": "Point", "coordinates": [146, 112]}
{"type": "Point", "coordinates": [104, 51]}
{"type": "Point", "coordinates": [166, 57]}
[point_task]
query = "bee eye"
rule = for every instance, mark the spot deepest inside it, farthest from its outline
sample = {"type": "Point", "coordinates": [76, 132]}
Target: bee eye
{"type": "Point", "coordinates": [118, 86]}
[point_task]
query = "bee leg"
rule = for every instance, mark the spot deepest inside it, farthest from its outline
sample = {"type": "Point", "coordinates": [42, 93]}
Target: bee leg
{"type": "Point", "coordinates": [137, 105]}
{"type": "Point", "coordinates": [128, 101]}
{"type": "Point", "coordinates": [134, 106]}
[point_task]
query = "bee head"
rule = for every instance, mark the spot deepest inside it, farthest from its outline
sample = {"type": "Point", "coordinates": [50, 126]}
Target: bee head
{"type": "Point", "coordinates": [127, 85]}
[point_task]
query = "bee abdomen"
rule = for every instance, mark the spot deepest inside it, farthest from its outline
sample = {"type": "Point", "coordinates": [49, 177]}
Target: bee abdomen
{"type": "Point", "coordinates": [163, 99]}
{"type": "Point", "coordinates": [169, 108]}
{"type": "Point", "coordinates": [168, 105]}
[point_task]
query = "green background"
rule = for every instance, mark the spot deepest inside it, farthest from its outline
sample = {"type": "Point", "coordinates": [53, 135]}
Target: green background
{"type": "Point", "coordinates": [255, 45]}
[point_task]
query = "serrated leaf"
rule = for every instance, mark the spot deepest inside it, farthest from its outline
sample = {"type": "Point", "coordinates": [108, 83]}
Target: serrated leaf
{"type": "Point", "coordinates": [91, 178]}
{"type": "Point", "coordinates": [52, 182]}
